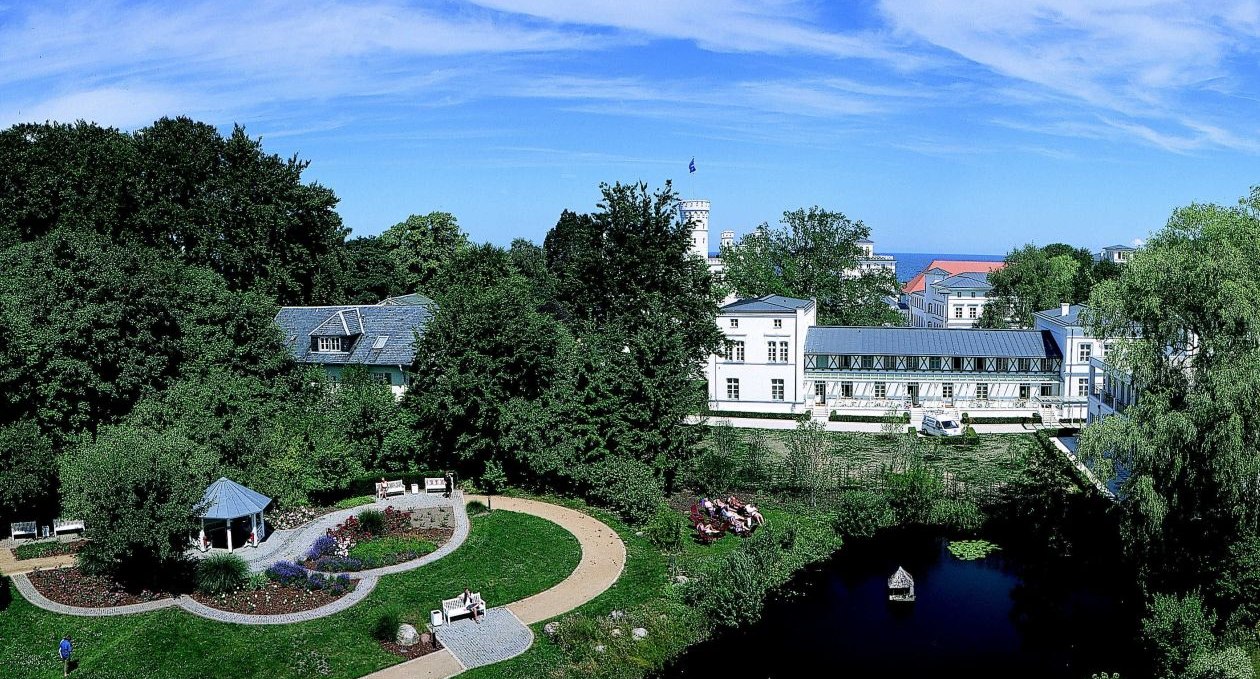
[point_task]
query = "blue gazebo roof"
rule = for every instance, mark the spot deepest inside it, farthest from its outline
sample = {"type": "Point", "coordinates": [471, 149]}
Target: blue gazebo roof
{"type": "Point", "coordinates": [227, 499]}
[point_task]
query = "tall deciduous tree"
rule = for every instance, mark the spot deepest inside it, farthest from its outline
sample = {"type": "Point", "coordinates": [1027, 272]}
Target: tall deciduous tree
{"type": "Point", "coordinates": [1192, 441]}
{"type": "Point", "coordinates": [371, 272]}
{"type": "Point", "coordinates": [139, 490]}
{"type": "Point", "coordinates": [1036, 278]}
{"type": "Point", "coordinates": [422, 245]}
{"type": "Point", "coordinates": [813, 255]}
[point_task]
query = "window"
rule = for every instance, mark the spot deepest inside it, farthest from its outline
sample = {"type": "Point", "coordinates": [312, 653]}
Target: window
{"type": "Point", "coordinates": [1086, 348]}
{"type": "Point", "coordinates": [958, 363]}
{"type": "Point", "coordinates": [947, 390]}
{"type": "Point", "coordinates": [982, 391]}
{"type": "Point", "coordinates": [732, 388]}
{"type": "Point", "coordinates": [846, 389]}
{"type": "Point", "coordinates": [1025, 364]}
{"type": "Point", "coordinates": [330, 344]}
{"type": "Point", "coordinates": [383, 378]}
{"type": "Point", "coordinates": [881, 390]}
{"type": "Point", "coordinates": [912, 363]}
{"type": "Point", "coordinates": [1024, 390]}
{"type": "Point", "coordinates": [1047, 390]}
{"type": "Point", "coordinates": [979, 365]}
{"type": "Point", "coordinates": [734, 322]}
{"type": "Point", "coordinates": [783, 354]}
{"type": "Point", "coordinates": [868, 362]}
{"type": "Point", "coordinates": [735, 350]}
{"type": "Point", "coordinates": [973, 294]}
{"type": "Point", "coordinates": [934, 363]}
{"type": "Point", "coordinates": [820, 389]}
{"type": "Point", "coordinates": [1082, 386]}
{"type": "Point", "coordinates": [890, 362]}
{"type": "Point", "coordinates": [1002, 364]}
{"type": "Point", "coordinates": [958, 311]}
{"type": "Point", "coordinates": [776, 390]}
{"type": "Point", "coordinates": [971, 310]}
{"type": "Point", "coordinates": [778, 323]}
{"type": "Point", "coordinates": [770, 353]}
{"type": "Point", "coordinates": [739, 351]}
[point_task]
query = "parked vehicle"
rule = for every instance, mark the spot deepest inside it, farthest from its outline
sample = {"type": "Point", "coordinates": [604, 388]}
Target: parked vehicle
{"type": "Point", "coordinates": [941, 424]}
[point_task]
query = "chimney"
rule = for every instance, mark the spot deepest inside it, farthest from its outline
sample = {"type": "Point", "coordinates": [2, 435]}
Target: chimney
{"type": "Point", "coordinates": [1065, 309]}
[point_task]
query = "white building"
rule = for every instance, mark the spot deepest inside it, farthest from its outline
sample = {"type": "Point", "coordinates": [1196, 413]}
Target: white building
{"type": "Point", "coordinates": [949, 294]}
{"type": "Point", "coordinates": [1115, 394]}
{"type": "Point", "coordinates": [868, 261]}
{"type": "Point", "coordinates": [1079, 350]}
{"type": "Point", "coordinates": [765, 342]}
{"type": "Point", "coordinates": [1117, 254]}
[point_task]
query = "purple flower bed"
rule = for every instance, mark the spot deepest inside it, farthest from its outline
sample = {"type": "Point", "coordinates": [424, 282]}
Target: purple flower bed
{"type": "Point", "coordinates": [324, 546]}
{"type": "Point", "coordinates": [290, 574]}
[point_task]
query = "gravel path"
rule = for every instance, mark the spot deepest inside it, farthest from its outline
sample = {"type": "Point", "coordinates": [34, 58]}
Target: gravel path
{"type": "Point", "coordinates": [292, 545]}
{"type": "Point", "coordinates": [10, 565]}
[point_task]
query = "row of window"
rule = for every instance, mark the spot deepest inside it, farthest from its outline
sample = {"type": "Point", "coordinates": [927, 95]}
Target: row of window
{"type": "Point", "coordinates": [732, 389]}
{"type": "Point", "coordinates": [933, 363]}
{"type": "Point", "coordinates": [972, 311]}
{"type": "Point", "coordinates": [947, 390]}
{"type": "Point", "coordinates": [776, 352]}
{"type": "Point", "coordinates": [778, 323]}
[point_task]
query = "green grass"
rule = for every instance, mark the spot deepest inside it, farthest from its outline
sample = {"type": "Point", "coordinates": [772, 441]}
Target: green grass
{"type": "Point", "coordinates": [507, 556]}
{"type": "Point", "coordinates": [357, 501]}
{"type": "Point", "coordinates": [41, 549]}
{"type": "Point", "coordinates": [378, 549]}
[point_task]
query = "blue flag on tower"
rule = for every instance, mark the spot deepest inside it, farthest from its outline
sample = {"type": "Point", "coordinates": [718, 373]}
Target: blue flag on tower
{"type": "Point", "coordinates": [692, 166]}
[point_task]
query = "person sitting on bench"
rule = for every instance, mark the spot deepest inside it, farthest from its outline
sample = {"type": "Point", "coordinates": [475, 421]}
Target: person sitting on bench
{"type": "Point", "coordinates": [472, 605]}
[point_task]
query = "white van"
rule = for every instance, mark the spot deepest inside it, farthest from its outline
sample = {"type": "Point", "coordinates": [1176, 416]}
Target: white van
{"type": "Point", "coordinates": [941, 424]}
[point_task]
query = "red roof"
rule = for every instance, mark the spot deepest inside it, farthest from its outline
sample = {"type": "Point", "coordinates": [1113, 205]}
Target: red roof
{"type": "Point", "coordinates": [954, 267]}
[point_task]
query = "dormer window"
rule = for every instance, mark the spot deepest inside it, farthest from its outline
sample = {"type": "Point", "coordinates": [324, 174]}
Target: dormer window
{"type": "Point", "coordinates": [329, 344]}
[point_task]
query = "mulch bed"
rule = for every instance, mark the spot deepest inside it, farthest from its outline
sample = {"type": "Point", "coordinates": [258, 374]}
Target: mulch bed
{"type": "Point", "coordinates": [72, 587]}
{"type": "Point", "coordinates": [273, 599]}
{"type": "Point", "coordinates": [410, 652]}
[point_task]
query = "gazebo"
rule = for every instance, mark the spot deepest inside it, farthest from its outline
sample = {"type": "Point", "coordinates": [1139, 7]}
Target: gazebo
{"type": "Point", "coordinates": [901, 586]}
{"type": "Point", "coordinates": [226, 500]}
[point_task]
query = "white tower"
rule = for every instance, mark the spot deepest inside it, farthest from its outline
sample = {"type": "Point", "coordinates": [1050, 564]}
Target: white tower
{"type": "Point", "coordinates": [696, 213]}
{"type": "Point", "coordinates": [728, 239]}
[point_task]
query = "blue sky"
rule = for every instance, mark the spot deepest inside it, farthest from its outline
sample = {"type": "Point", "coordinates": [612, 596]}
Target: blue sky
{"type": "Point", "coordinates": [953, 127]}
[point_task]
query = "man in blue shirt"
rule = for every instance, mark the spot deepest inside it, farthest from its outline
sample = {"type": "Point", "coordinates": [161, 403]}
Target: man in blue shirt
{"type": "Point", "coordinates": [64, 650]}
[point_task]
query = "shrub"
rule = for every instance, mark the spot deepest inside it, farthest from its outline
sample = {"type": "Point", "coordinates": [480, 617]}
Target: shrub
{"type": "Point", "coordinates": [956, 514]}
{"type": "Point", "coordinates": [386, 626]}
{"type": "Point", "coordinates": [861, 513]}
{"type": "Point", "coordinates": [372, 522]}
{"type": "Point", "coordinates": [257, 581]}
{"type": "Point", "coordinates": [286, 572]}
{"type": "Point", "coordinates": [1175, 630]}
{"type": "Point", "coordinates": [627, 487]}
{"type": "Point", "coordinates": [1228, 663]}
{"type": "Point", "coordinates": [323, 546]}
{"type": "Point", "coordinates": [730, 595]}
{"type": "Point", "coordinates": [970, 437]}
{"type": "Point", "coordinates": [966, 418]}
{"type": "Point", "coordinates": [764, 416]}
{"type": "Point", "coordinates": [665, 532]}
{"type": "Point", "coordinates": [357, 501]}
{"type": "Point", "coordinates": [41, 549]}
{"type": "Point", "coordinates": [221, 573]}
{"type": "Point", "coordinates": [911, 431]}
{"type": "Point", "coordinates": [476, 507]}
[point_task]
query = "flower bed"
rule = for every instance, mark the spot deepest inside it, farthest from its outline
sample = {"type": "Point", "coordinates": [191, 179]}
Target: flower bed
{"type": "Point", "coordinates": [410, 652]}
{"type": "Point", "coordinates": [73, 587]}
{"type": "Point", "coordinates": [294, 517]}
{"type": "Point", "coordinates": [372, 540]}
{"type": "Point", "coordinates": [286, 588]}
{"type": "Point", "coordinates": [39, 550]}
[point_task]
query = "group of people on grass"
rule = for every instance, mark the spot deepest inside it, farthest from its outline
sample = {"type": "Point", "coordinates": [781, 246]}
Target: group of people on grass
{"type": "Point", "coordinates": [740, 517]}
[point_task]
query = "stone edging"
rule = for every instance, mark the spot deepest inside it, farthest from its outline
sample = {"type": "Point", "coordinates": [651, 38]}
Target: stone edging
{"type": "Point", "coordinates": [367, 582]}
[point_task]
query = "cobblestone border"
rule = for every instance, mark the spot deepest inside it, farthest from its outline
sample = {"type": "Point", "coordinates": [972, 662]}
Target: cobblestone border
{"type": "Point", "coordinates": [367, 582]}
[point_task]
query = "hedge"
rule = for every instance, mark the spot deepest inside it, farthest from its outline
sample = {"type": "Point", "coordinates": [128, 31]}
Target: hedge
{"type": "Point", "coordinates": [763, 416]}
{"type": "Point", "coordinates": [878, 419]}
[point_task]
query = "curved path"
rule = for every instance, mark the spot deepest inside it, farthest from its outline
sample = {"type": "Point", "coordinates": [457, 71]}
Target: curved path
{"type": "Point", "coordinates": [470, 645]}
{"type": "Point", "coordinates": [284, 549]}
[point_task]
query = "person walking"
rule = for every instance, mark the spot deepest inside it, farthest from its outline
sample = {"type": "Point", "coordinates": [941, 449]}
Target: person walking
{"type": "Point", "coordinates": [65, 649]}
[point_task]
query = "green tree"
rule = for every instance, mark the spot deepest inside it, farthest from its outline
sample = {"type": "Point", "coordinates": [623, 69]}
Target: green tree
{"type": "Point", "coordinates": [139, 491]}
{"type": "Point", "coordinates": [808, 257]}
{"type": "Point", "coordinates": [808, 461]}
{"type": "Point", "coordinates": [422, 246]}
{"type": "Point", "coordinates": [28, 469]}
{"type": "Point", "coordinates": [1034, 279]}
{"type": "Point", "coordinates": [1175, 630]}
{"type": "Point", "coordinates": [371, 272]}
{"type": "Point", "coordinates": [1192, 299]}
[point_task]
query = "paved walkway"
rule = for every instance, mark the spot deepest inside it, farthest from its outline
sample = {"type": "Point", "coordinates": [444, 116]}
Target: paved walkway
{"type": "Point", "coordinates": [298, 540]}
{"type": "Point", "coordinates": [471, 645]}
{"type": "Point", "coordinates": [10, 565]}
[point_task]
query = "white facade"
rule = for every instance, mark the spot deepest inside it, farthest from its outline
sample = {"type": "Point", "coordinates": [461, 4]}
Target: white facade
{"type": "Point", "coordinates": [1117, 254]}
{"type": "Point", "coordinates": [1080, 380]}
{"type": "Point", "coordinates": [868, 261]}
{"type": "Point", "coordinates": [761, 368]}
{"type": "Point", "coordinates": [696, 214]}
{"type": "Point", "coordinates": [948, 301]}
{"type": "Point", "coordinates": [1115, 393]}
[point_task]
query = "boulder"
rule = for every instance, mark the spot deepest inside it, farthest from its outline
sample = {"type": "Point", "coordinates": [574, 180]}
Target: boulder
{"type": "Point", "coordinates": [681, 579]}
{"type": "Point", "coordinates": [617, 615]}
{"type": "Point", "coordinates": [616, 631]}
{"type": "Point", "coordinates": [639, 633]}
{"type": "Point", "coordinates": [551, 628]}
{"type": "Point", "coordinates": [600, 648]}
{"type": "Point", "coordinates": [407, 635]}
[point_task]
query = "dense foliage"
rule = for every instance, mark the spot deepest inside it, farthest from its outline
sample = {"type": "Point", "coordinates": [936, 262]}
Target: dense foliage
{"type": "Point", "coordinates": [1039, 278]}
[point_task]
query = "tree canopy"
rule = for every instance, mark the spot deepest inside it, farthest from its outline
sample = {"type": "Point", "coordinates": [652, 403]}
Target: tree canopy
{"type": "Point", "coordinates": [1039, 278]}
{"type": "Point", "coordinates": [813, 255]}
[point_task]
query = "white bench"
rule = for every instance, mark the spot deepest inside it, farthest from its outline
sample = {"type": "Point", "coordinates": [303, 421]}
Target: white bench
{"type": "Point", "coordinates": [454, 608]}
{"type": "Point", "coordinates": [432, 485]}
{"type": "Point", "coordinates": [395, 488]}
{"type": "Point", "coordinates": [24, 528]}
{"type": "Point", "coordinates": [67, 525]}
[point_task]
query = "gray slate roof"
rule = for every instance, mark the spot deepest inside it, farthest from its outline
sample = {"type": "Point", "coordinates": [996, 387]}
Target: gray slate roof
{"type": "Point", "coordinates": [227, 499]}
{"type": "Point", "coordinates": [1055, 315]}
{"type": "Point", "coordinates": [379, 335]}
{"type": "Point", "coordinates": [967, 281]}
{"type": "Point", "coordinates": [1119, 247]}
{"type": "Point", "coordinates": [874, 341]}
{"type": "Point", "coordinates": [402, 300]}
{"type": "Point", "coordinates": [772, 303]}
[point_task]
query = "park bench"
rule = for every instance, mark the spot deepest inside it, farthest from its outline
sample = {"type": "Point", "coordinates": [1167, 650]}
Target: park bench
{"type": "Point", "coordinates": [27, 528]}
{"type": "Point", "coordinates": [67, 525]}
{"type": "Point", "coordinates": [395, 488]}
{"type": "Point", "coordinates": [454, 608]}
{"type": "Point", "coordinates": [434, 485]}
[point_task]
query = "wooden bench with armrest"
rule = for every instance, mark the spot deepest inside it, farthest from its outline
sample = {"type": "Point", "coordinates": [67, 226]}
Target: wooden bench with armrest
{"type": "Point", "coordinates": [454, 608]}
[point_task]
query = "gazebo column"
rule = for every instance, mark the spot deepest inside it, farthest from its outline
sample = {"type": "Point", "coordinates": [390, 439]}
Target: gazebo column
{"type": "Point", "coordinates": [262, 525]}
{"type": "Point", "coordinates": [229, 535]}
{"type": "Point", "coordinates": [253, 530]}
{"type": "Point", "coordinates": [201, 537]}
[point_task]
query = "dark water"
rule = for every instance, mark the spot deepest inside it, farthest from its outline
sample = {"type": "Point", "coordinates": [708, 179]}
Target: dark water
{"type": "Point", "coordinates": [988, 618]}
{"type": "Point", "coordinates": [911, 263]}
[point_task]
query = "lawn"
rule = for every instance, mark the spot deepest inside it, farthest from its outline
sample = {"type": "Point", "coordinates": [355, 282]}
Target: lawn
{"type": "Point", "coordinates": [507, 557]}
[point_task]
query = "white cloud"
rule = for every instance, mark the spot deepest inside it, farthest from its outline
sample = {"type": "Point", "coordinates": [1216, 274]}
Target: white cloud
{"type": "Point", "coordinates": [111, 106]}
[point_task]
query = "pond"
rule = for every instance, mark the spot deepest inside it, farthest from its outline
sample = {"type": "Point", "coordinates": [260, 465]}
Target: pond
{"type": "Point", "coordinates": [998, 616]}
